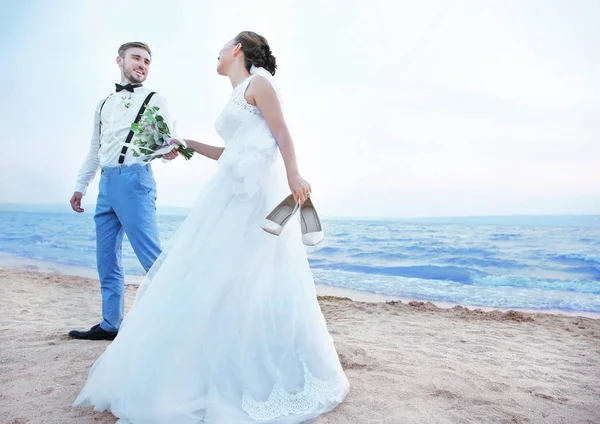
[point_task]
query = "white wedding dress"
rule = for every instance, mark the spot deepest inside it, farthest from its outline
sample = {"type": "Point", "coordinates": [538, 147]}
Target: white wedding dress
{"type": "Point", "coordinates": [226, 327]}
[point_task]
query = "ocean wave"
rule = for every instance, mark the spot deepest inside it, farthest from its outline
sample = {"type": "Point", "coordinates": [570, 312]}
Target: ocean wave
{"type": "Point", "coordinates": [329, 250]}
{"type": "Point", "coordinates": [335, 251]}
{"type": "Point", "coordinates": [378, 255]}
{"type": "Point", "coordinates": [489, 291]}
{"type": "Point", "coordinates": [504, 236]}
{"type": "Point", "coordinates": [131, 265]}
{"type": "Point", "coordinates": [425, 272]}
{"type": "Point", "coordinates": [521, 281]}
{"type": "Point", "coordinates": [590, 241]}
{"type": "Point", "coordinates": [468, 276]}
{"type": "Point", "coordinates": [371, 239]}
{"type": "Point", "coordinates": [342, 234]}
{"type": "Point", "coordinates": [416, 248]}
{"type": "Point", "coordinates": [24, 240]}
{"type": "Point", "coordinates": [575, 259]}
{"type": "Point", "coordinates": [591, 271]}
{"type": "Point", "coordinates": [20, 239]}
{"type": "Point", "coordinates": [447, 250]}
{"type": "Point", "coordinates": [67, 246]}
{"type": "Point", "coordinates": [484, 262]}
{"type": "Point", "coordinates": [402, 239]}
{"type": "Point", "coordinates": [38, 241]}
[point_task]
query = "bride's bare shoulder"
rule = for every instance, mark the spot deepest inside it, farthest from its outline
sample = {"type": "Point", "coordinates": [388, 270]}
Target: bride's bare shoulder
{"type": "Point", "coordinates": [260, 88]}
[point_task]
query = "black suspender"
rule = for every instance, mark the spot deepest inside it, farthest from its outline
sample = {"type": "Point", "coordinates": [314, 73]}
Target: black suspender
{"type": "Point", "coordinates": [130, 135]}
{"type": "Point", "coordinates": [100, 120]}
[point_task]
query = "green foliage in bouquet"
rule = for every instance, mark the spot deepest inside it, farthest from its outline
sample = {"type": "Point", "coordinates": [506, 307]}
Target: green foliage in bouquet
{"type": "Point", "coordinates": [152, 133]}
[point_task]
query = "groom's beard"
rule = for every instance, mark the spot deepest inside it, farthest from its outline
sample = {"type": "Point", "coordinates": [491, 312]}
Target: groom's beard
{"type": "Point", "coordinates": [132, 76]}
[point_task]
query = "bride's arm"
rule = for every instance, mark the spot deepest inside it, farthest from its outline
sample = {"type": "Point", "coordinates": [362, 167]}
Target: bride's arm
{"type": "Point", "coordinates": [211, 152]}
{"type": "Point", "coordinates": [261, 93]}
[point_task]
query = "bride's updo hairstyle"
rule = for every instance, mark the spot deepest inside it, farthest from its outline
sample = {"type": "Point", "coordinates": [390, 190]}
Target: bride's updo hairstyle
{"type": "Point", "coordinates": [256, 51]}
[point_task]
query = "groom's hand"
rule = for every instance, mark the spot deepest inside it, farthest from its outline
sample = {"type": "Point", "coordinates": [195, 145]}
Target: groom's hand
{"type": "Point", "coordinates": [76, 201]}
{"type": "Point", "coordinates": [171, 155]}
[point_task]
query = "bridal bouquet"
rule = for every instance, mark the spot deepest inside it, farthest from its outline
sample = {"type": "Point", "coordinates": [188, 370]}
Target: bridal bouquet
{"type": "Point", "coordinates": [152, 137]}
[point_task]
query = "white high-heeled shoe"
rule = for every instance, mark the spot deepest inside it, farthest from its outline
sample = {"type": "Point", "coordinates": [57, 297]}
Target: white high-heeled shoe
{"type": "Point", "coordinates": [312, 230]}
{"type": "Point", "coordinates": [281, 215]}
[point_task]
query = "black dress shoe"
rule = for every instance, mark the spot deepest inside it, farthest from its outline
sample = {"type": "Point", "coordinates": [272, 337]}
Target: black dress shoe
{"type": "Point", "coordinates": [94, 333]}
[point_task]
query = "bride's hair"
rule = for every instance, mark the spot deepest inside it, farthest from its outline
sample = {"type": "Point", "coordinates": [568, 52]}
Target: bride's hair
{"type": "Point", "coordinates": [256, 51]}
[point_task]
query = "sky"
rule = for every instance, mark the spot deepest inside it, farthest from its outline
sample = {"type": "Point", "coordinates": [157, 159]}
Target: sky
{"type": "Point", "coordinates": [396, 108]}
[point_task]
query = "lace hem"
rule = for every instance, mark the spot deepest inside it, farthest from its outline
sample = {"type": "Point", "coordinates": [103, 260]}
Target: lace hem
{"type": "Point", "coordinates": [281, 403]}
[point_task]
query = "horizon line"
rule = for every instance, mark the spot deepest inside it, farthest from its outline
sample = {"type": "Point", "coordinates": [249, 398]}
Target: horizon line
{"type": "Point", "coordinates": [165, 208]}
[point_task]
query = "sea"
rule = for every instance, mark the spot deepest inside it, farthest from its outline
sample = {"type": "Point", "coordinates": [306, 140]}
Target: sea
{"type": "Point", "coordinates": [518, 262]}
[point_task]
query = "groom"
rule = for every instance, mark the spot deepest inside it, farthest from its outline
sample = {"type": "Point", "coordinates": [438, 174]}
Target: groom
{"type": "Point", "coordinates": [126, 201]}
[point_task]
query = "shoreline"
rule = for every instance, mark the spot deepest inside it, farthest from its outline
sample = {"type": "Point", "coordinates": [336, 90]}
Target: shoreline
{"type": "Point", "coordinates": [358, 296]}
{"type": "Point", "coordinates": [15, 262]}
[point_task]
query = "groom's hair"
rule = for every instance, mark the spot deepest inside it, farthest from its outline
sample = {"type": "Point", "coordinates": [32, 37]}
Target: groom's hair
{"type": "Point", "coordinates": [132, 44]}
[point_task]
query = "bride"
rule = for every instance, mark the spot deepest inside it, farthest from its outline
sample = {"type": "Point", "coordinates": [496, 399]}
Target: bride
{"type": "Point", "coordinates": [226, 327]}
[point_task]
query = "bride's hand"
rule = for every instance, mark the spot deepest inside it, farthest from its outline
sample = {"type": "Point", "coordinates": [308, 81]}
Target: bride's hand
{"type": "Point", "coordinates": [300, 188]}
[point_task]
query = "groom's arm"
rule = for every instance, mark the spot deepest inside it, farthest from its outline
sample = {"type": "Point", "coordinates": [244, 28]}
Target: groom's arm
{"type": "Point", "coordinates": [90, 165]}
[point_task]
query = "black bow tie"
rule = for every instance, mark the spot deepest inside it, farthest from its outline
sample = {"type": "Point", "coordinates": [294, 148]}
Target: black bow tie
{"type": "Point", "coordinates": [128, 87]}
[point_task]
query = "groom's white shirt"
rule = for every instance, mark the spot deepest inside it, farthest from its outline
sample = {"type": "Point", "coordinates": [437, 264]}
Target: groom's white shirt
{"type": "Point", "coordinates": [116, 122]}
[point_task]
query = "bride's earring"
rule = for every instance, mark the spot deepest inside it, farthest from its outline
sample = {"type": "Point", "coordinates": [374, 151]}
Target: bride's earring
{"type": "Point", "coordinates": [312, 230]}
{"type": "Point", "coordinates": [280, 216]}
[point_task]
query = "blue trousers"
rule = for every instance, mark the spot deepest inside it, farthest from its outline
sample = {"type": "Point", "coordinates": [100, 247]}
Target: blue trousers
{"type": "Point", "coordinates": [126, 204]}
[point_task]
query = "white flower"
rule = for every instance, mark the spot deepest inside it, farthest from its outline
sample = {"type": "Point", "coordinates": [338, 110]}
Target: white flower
{"type": "Point", "coordinates": [126, 101]}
